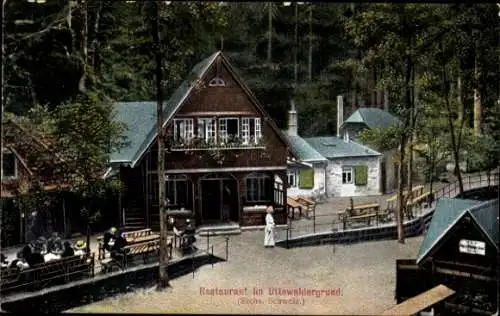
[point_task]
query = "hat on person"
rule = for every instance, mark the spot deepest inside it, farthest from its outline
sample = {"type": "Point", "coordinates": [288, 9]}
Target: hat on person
{"type": "Point", "coordinates": [80, 245]}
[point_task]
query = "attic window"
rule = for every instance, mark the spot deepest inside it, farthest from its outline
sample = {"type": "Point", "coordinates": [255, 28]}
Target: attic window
{"type": "Point", "coordinates": [217, 82]}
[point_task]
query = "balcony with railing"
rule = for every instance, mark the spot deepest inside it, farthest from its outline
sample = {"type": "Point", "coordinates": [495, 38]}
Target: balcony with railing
{"type": "Point", "coordinates": [228, 143]}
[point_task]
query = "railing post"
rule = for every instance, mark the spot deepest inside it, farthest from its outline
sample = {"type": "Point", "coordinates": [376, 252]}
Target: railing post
{"type": "Point", "coordinates": [287, 237]}
{"type": "Point", "coordinates": [212, 256]}
{"type": "Point", "coordinates": [208, 239]}
{"type": "Point", "coordinates": [227, 248]}
{"type": "Point", "coordinates": [192, 261]}
{"type": "Point", "coordinates": [314, 222]}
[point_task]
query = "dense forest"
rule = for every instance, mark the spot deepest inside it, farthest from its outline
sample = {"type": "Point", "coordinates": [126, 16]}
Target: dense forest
{"type": "Point", "coordinates": [436, 66]}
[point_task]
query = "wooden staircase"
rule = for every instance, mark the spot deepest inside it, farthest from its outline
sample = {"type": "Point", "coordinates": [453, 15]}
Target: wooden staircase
{"type": "Point", "coordinates": [134, 219]}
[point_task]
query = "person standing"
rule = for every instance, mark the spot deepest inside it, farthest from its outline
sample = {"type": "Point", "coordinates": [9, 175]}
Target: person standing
{"type": "Point", "coordinates": [269, 229]}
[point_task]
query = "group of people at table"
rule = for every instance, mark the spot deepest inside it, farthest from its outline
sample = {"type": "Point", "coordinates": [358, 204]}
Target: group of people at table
{"type": "Point", "coordinates": [44, 250]}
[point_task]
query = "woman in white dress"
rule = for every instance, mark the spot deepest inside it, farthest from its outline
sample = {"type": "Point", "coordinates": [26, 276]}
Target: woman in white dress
{"type": "Point", "coordinates": [269, 230]}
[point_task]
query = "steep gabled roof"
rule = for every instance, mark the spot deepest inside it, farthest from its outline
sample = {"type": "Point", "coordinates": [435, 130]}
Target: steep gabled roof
{"type": "Point", "coordinates": [332, 147]}
{"type": "Point", "coordinates": [372, 118]}
{"type": "Point", "coordinates": [449, 211]}
{"type": "Point", "coordinates": [304, 150]}
{"type": "Point", "coordinates": [142, 131]}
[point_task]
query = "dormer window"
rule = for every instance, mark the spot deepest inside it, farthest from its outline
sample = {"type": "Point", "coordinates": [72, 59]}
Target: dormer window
{"type": "Point", "coordinates": [9, 167]}
{"type": "Point", "coordinates": [217, 82]}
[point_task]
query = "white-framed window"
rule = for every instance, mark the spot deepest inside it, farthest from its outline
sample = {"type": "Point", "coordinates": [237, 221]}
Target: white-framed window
{"type": "Point", "coordinates": [177, 190]}
{"type": "Point", "coordinates": [258, 130]}
{"type": "Point", "coordinates": [183, 129]}
{"type": "Point", "coordinates": [251, 129]}
{"type": "Point", "coordinates": [245, 130]}
{"type": "Point", "coordinates": [207, 129]}
{"type": "Point", "coordinates": [259, 188]}
{"type": "Point", "coordinates": [293, 179]}
{"type": "Point", "coordinates": [9, 166]}
{"type": "Point", "coordinates": [347, 175]}
{"type": "Point", "coordinates": [228, 128]}
{"type": "Point", "coordinates": [217, 82]}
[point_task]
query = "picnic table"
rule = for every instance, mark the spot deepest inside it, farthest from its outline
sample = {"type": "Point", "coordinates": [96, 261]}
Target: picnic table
{"type": "Point", "coordinates": [131, 237]}
{"type": "Point", "coordinates": [293, 205]}
{"type": "Point", "coordinates": [361, 212]}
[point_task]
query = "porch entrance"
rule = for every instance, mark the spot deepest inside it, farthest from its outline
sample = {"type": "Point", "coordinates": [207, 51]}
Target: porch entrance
{"type": "Point", "coordinates": [219, 199]}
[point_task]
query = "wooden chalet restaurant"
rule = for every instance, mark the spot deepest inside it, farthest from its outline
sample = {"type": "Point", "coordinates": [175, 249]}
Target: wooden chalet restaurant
{"type": "Point", "coordinates": [226, 160]}
{"type": "Point", "coordinates": [459, 251]}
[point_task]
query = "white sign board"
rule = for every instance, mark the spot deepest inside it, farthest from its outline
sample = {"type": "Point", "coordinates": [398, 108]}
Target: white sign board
{"type": "Point", "coordinates": [472, 247]}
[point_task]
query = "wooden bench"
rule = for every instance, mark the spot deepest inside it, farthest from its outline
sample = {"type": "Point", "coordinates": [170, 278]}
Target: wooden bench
{"type": "Point", "coordinates": [309, 205]}
{"type": "Point", "coordinates": [361, 209]}
{"type": "Point", "coordinates": [49, 273]}
{"type": "Point", "coordinates": [293, 205]}
{"type": "Point", "coordinates": [145, 249]}
{"type": "Point", "coordinates": [359, 218]}
{"type": "Point", "coordinates": [129, 236]}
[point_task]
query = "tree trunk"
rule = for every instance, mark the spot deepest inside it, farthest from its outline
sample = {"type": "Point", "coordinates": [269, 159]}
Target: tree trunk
{"type": "Point", "coordinates": [296, 48]}
{"type": "Point", "coordinates": [459, 99]}
{"type": "Point", "coordinates": [270, 32]}
{"type": "Point", "coordinates": [455, 139]}
{"type": "Point", "coordinates": [95, 42]}
{"type": "Point", "coordinates": [377, 89]}
{"type": "Point", "coordinates": [477, 97]}
{"type": "Point", "coordinates": [386, 99]}
{"type": "Point", "coordinates": [84, 60]}
{"type": "Point", "coordinates": [310, 57]}
{"type": "Point", "coordinates": [404, 138]}
{"type": "Point", "coordinates": [163, 281]}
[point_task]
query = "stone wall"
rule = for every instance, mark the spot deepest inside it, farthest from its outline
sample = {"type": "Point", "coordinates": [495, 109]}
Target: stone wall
{"type": "Point", "coordinates": [319, 183]}
{"type": "Point", "coordinates": [334, 177]}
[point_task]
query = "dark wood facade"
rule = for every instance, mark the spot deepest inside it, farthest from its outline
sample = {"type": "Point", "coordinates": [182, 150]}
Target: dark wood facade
{"type": "Point", "coordinates": [472, 275]}
{"type": "Point", "coordinates": [223, 154]}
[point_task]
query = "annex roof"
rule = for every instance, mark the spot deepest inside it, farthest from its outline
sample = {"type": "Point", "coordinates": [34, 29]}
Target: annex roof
{"type": "Point", "coordinates": [447, 214]}
{"type": "Point", "coordinates": [373, 118]}
{"type": "Point", "coordinates": [304, 150]}
{"type": "Point", "coordinates": [332, 147]}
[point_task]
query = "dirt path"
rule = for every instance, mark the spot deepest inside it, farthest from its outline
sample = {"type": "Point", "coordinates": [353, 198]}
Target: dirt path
{"type": "Point", "coordinates": [364, 275]}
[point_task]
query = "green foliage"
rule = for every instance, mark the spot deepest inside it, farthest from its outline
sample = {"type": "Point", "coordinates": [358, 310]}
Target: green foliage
{"type": "Point", "coordinates": [83, 133]}
{"type": "Point", "coordinates": [360, 175]}
{"type": "Point", "coordinates": [306, 178]}
{"type": "Point", "coordinates": [382, 139]}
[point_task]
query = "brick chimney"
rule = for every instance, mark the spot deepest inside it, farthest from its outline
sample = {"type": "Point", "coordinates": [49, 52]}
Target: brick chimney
{"type": "Point", "coordinates": [340, 113]}
{"type": "Point", "coordinates": [292, 119]}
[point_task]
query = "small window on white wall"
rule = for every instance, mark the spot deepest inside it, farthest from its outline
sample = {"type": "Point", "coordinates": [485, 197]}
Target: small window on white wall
{"type": "Point", "coordinates": [217, 82]}
{"type": "Point", "coordinates": [347, 175]}
{"type": "Point", "coordinates": [293, 179]}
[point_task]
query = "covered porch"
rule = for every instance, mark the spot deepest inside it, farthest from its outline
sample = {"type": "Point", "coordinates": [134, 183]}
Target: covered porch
{"type": "Point", "coordinates": [228, 196]}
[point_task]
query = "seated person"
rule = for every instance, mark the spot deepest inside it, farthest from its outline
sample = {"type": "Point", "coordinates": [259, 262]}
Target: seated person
{"type": "Point", "coordinates": [80, 248]}
{"type": "Point", "coordinates": [54, 244]}
{"type": "Point", "coordinates": [188, 234]}
{"type": "Point", "coordinates": [3, 261]}
{"type": "Point", "coordinates": [68, 250]}
{"type": "Point", "coordinates": [110, 238]}
{"type": "Point", "coordinates": [42, 245]}
{"type": "Point", "coordinates": [117, 250]}
{"type": "Point", "coordinates": [31, 257]}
